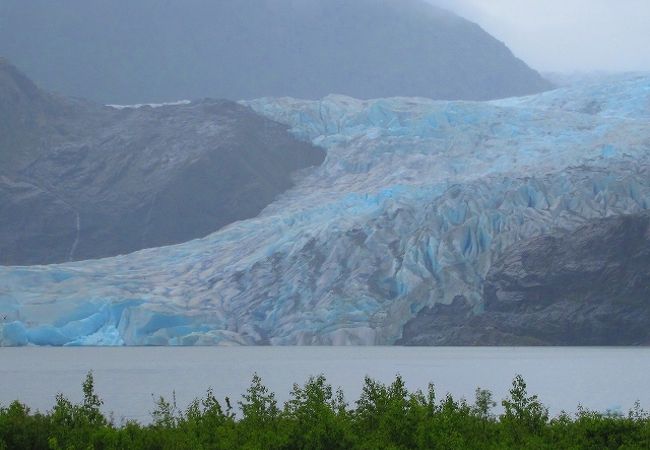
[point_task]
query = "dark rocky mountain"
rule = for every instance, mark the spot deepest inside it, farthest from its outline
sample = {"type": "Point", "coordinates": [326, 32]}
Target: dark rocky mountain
{"type": "Point", "coordinates": [586, 287]}
{"type": "Point", "coordinates": [125, 51]}
{"type": "Point", "coordinates": [79, 180]}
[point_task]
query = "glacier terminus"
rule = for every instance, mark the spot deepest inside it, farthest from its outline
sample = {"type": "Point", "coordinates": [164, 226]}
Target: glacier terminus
{"type": "Point", "coordinates": [414, 202]}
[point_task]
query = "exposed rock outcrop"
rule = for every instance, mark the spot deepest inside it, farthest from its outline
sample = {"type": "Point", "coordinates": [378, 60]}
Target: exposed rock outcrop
{"type": "Point", "coordinates": [590, 286]}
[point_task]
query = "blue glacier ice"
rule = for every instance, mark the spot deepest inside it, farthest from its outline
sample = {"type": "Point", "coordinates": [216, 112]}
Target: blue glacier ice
{"type": "Point", "coordinates": [414, 201]}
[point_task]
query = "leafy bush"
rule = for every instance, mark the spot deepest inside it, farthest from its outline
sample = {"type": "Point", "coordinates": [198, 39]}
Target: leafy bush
{"type": "Point", "coordinates": [318, 417]}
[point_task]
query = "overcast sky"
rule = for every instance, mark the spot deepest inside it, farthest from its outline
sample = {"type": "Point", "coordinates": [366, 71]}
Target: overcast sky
{"type": "Point", "coordinates": [567, 35]}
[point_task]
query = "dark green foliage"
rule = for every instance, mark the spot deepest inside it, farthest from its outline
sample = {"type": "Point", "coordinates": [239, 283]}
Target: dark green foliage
{"type": "Point", "coordinates": [317, 417]}
{"type": "Point", "coordinates": [524, 417]}
{"type": "Point", "coordinates": [19, 429]}
{"type": "Point", "coordinates": [386, 416]}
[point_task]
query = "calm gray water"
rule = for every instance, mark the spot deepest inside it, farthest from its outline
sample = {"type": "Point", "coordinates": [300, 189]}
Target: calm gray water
{"type": "Point", "coordinates": [126, 378]}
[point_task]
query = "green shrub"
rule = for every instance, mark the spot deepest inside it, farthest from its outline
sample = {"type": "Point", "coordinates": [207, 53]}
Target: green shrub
{"type": "Point", "coordinates": [317, 417]}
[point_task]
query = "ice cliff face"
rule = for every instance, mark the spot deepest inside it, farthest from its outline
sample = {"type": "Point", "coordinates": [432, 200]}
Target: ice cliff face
{"type": "Point", "coordinates": [415, 200]}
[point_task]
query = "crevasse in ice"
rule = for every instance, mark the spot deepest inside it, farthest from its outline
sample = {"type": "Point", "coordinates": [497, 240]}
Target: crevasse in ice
{"type": "Point", "coordinates": [414, 201]}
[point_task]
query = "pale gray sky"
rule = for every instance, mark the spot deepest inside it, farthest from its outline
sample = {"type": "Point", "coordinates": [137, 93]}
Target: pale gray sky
{"type": "Point", "coordinates": [566, 35]}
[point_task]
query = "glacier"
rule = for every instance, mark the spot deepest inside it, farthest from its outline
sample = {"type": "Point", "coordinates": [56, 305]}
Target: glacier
{"type": "Point", "coordinates": [415, 200]}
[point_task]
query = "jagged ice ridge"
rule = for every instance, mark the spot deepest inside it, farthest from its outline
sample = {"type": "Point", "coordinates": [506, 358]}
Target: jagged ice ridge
{"type": "Point", "coordinates": [414, 201]}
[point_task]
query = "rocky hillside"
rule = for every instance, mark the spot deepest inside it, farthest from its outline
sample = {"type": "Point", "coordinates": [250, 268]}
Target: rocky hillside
{"type": "Point", "coordinates": [79, 180]}
{"type": "Point", "coordinates": [590, 286]}
{"type": "Point", "coordinates": [125, 51]}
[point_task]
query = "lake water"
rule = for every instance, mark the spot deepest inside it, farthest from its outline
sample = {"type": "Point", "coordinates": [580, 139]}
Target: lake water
{"type": "Point", "coordinates": [126, 378]}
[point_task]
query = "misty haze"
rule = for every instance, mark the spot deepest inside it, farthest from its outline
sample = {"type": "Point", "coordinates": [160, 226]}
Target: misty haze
{"type": "Point", "coordinates": [413, 198]}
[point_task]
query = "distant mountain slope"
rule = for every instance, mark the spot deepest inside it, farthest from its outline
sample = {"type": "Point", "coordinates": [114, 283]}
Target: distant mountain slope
{"type": "Point", "coordinates": [126, 51]}
{"type": "Point", "coordinates": [78, 180]}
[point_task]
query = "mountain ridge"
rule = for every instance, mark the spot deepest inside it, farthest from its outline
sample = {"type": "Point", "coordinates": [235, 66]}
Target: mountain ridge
{"type": "Point", "coordinates": [254, 48]}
